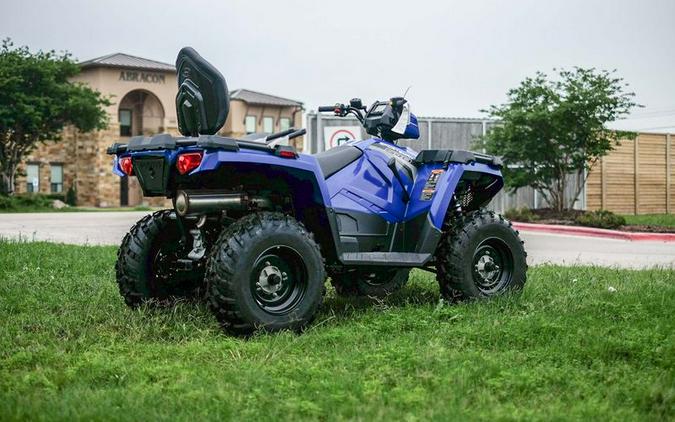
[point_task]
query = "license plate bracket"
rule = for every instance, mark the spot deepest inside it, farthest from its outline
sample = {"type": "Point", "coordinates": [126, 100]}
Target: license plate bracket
{"type": "Point", "coordinates": [152, 173]}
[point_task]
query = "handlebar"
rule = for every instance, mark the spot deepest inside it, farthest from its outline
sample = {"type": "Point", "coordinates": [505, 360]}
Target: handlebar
{"type": "Point", "coordinates": [297, 133]}
{"type": "Point", "coordinates": [280, 134]}
{"type": "Point", "coordinates": [341, 110]}
{"type": "Point", "coordinates": [290, 133]}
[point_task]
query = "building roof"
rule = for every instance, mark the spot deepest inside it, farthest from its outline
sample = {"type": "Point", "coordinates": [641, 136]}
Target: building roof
{"type": "Point", "coordinates": [259, 98]}
{"type": "Point", "coordinates": [128, 61]}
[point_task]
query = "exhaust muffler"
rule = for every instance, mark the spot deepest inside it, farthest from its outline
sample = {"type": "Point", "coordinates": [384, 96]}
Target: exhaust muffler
{"type": "Point", "coordinates": [201, 203]}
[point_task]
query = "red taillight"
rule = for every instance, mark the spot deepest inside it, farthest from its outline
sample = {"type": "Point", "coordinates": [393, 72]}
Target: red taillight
{"type": "Point", "coordinates": [188, 162]}
{"type": "Point", "coordinates": [127, 166]}
{"type": "Point", "coordinates": [287, 154]}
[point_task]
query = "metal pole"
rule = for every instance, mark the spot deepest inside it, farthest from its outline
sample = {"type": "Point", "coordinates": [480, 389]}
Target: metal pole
{"type": "Point", "coordinates": [319, 134]}
{"type": "Point", "coordinates": [484, 133]}
{"type": "Point", "coordinates": [307, 146]}
{"type": "Point", "coordinates": [503, 201]}
{"type": "Point", "coordinates": [584, 180]}
{"type": "Point", "coordinates": [429, 133]}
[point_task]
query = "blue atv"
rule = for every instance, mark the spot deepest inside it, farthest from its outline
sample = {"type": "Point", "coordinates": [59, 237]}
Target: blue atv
{"type": "Point", "coordinates": [256, 227]}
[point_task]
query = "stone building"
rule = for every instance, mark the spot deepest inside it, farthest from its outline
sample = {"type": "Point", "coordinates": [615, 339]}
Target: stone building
{"type": "Point", "coordinates": [142, 93]}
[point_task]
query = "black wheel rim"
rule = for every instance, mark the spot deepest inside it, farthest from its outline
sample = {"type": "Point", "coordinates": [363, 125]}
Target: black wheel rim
{"type": "Point", "coordinates": [492, 266]}
{"type": "Point", "coordinates": [278, 280]}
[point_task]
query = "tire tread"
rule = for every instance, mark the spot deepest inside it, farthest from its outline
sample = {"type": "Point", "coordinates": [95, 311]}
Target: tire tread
{"type": "Point", "coordinates": [221, 266]}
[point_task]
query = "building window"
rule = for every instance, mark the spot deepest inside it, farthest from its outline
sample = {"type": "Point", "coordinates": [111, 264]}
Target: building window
{"type": "Point", "coordinates": [284, 124]}
{"type": "Point", "coordinates": [125, 122]}
{"type": "Point", "coordinates": [250, 123]}
{"type": "Point", "coordinates": [57, 178]}
{"type": "Point", "coordinates": [268, 124]}
{"type": "Point", "coordinates": [33, 178]}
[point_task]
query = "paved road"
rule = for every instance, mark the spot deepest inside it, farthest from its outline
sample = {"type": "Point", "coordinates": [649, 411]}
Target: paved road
{"type": "Point", "coordinates": [81, 228]}
{"type": "Point", "coordinates": [108, 228]}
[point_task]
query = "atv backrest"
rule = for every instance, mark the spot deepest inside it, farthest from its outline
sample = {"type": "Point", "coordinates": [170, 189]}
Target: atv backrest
{"type": "Point", "coordinates": [203, 101]}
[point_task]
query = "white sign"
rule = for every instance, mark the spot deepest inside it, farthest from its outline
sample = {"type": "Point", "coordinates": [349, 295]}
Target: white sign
{"type": "Point", "coordinates": [334, 136]}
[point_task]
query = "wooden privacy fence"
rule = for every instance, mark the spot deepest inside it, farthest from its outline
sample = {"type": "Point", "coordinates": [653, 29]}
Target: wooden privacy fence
{"type": "Point", "coordinates": [635, 178]}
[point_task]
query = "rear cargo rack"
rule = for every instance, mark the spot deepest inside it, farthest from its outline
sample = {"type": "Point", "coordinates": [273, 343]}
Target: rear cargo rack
{"type": "Point", "coordinates": [168, 142]}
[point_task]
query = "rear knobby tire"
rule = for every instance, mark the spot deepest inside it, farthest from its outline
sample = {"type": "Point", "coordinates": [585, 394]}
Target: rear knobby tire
{"type": "Point", "coordinates": [265, 272]}
{"type": "Point", "coordinates": [375, 283]}
{"type": "Point", "coordinates": [147, 268]}
{"type": "Point", "coordinates": [480, 255]}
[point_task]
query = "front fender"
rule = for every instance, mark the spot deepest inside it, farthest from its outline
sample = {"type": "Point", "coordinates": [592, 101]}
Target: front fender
{"type": "Point", "coordinates": [447, 187]}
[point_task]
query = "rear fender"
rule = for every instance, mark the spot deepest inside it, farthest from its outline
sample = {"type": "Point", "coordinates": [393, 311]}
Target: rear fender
{"type": "Point", "coordinates": [306, 186]}
{"type": "Point", "coordinates": [304, 163]}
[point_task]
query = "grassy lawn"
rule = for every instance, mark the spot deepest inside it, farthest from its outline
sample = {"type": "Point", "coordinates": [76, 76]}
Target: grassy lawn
{"type": "Point", "coordinates": [666, 220]}
{"type": "Point", "coordinates": [568, 348]}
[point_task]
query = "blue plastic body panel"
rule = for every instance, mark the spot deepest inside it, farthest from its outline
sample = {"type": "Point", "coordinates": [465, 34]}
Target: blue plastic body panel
{"type": "Point", "coordinates": [368, 185]}
{"type": "Point", "coordinates": [365, 186]}
{"type": "Point", "coordinates": [412, 129]}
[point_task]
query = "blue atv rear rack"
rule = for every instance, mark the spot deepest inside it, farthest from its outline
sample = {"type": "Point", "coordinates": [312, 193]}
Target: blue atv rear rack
{"type": "Point", "coordinates": [167, 142]}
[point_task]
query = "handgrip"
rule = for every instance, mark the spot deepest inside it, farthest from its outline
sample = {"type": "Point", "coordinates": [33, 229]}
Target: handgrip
{"type": "Point", "coordinates": [280, 134]}
{"type": "Point", "coordinates": [297, 133]}
{"type": "Point", "coordinates": [324, 109]}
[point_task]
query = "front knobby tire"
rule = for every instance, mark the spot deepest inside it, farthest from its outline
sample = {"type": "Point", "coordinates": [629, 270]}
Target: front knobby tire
{"type": "Point", "coordinates": [377, 283]}
{"type": "Point", "coordinates": [265, 272]}
{"type": "Point", "coordinates": [147, 268]}
{"type": "Point", "coordinates": [480, 255]}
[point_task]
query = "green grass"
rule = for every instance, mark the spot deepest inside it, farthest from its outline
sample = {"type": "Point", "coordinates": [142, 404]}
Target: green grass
{"type": "Point", "coordinates": [666, 220]}
{"type": "Point", "coordinates": [568, 348]}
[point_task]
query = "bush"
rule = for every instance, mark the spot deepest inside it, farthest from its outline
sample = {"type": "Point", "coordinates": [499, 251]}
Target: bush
{"type": "Point", "coordinates": [56, 196]}
{"type": "Point", "coordinates": [32, 201]}
{"type": "Point", "coordinates": [71, 196]}
{"type": "Point", "coordinates": [25, 202]}
{"type": "Point", "coordinates": [6, 202]}
{"type": "Point", "coordinates": [523, 214]}
{"type": "Point", "coordinates": [602, 219]}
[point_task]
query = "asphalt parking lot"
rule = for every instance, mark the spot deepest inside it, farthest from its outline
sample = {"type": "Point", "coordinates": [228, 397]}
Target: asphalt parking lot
{"type": "Point", "coordinates": [108, 228]}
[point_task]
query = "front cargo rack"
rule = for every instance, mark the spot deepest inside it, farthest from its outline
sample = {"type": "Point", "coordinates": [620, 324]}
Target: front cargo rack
{"type": "Point", "coordinates": [455, 156]}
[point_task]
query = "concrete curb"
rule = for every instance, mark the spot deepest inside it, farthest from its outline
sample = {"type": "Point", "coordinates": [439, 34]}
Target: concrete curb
{"type": "Point", "coordinates": [593, 232]}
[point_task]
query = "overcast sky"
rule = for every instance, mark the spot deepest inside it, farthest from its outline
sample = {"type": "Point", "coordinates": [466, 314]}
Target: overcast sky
{"type": "Point", "coordinates": [458, 56]}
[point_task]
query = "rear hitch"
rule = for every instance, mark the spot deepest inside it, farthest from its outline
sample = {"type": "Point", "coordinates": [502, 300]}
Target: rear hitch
{"type": "Point", "coordinates": [198, 248]}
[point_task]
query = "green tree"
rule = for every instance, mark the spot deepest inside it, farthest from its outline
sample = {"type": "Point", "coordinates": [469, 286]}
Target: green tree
{"type": "Point", "coordinates": [553, 128]}
{"type": "Point", "coordinates": [37, 100]}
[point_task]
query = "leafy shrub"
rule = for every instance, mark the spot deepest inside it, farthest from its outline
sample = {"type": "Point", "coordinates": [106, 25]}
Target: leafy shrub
{"type": "Point", "coordinates": [523, 214]}
{"type": "Point", "coordinates": [71, 196]}
{"type": "Point", "coordinates": [25, 202]}
{"type": "Point", "coordinates": [6, 202]}
{"type": "Point", "coordinates": [602, 219]}
{"type": "Point", "coordinates": [56, 196]}
{"type": "Point", "coordinates": [32, 201]}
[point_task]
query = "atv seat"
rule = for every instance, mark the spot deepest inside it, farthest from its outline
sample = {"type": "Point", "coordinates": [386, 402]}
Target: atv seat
{"type": "Point", "coordinates": [336, 159]}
